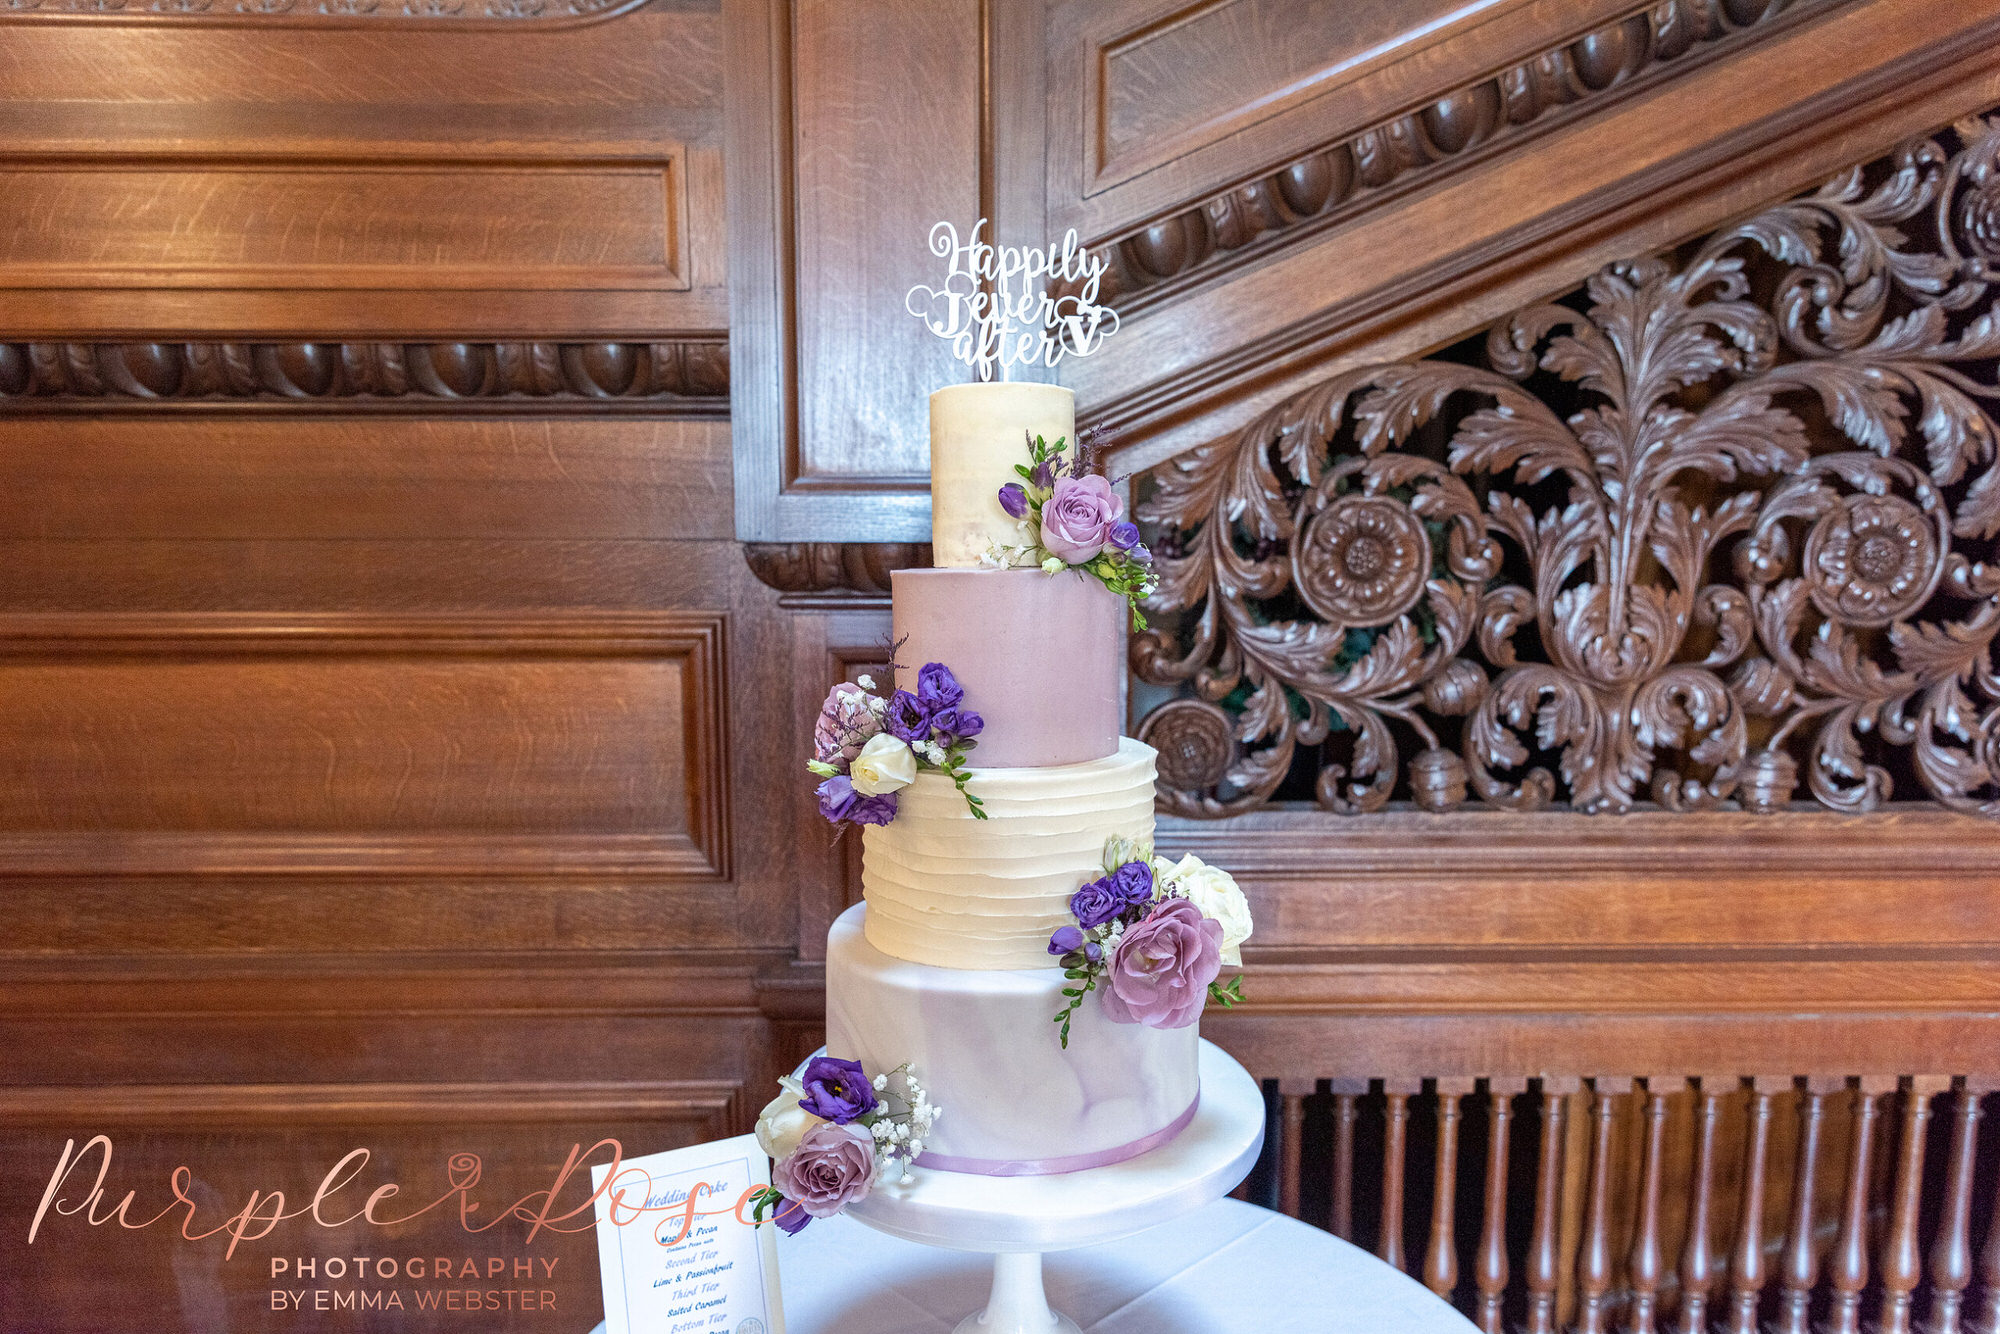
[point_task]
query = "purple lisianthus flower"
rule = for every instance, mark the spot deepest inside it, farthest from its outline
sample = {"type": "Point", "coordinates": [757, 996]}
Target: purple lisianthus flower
{"type": "Point", "coordinates": [1076, 518]}
{"type": "Point", "coordinates": [1160, 972]}
{"type": "Point", "coordinates": [839, 801]}
{"type": "Point", "coordinates": [791, 1217]}
{"type": "Point", "coordinates": [1093, 951]}
{"type": "Point", "coordinates": [833, 1166]}
{"type": "Point", "coordinates": [1123, 535]}
{"type": "Point", "coordinates": [907, 718]}
{"type": "Point", "coordinates": [1014, 499]}
{"type": "Point", "coordinates": [1066, 940]}
{"type": "Point", "coordinates": [958, 724]}
{"type": "Point", "coordinates": [1097, 902]}
{"type": "Point", "coordinates": [1133, 883]}
{"type": "Point", "coordinates": [837, 1090]}
{"type": "Point", "coordinates": [844, 725]}
{"type": "Point", "coordinates": [1142, 554]}
{"type": "Point", "coordinates": [1044, 474]}
{"type": "Point", "coordinates": [937, 688]}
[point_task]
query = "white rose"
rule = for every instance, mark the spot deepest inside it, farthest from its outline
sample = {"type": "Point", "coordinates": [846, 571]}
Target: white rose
{"type": "Point", "coordinates": [1217, 895]}
{"type": "Point", "coordinates": [885, 764]}
{"type": "Point", "coordinates": [783, 1123]}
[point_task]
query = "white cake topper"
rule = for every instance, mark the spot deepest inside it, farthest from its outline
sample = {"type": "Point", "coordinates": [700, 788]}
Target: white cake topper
{"type": "Point", "coordinates": [995, 307]}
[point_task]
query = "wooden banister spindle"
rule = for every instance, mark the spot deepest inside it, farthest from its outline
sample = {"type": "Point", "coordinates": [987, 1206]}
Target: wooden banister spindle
{"type": "Point", "coordinates": [1850, 1252]}
{"type": "Point", "coordinates": [1395, 1139]}
{"type": "Point", "coordinates": [1645, 1262]}
{"type": "Point", "coordinates": [1698, 1250]}
{"type": "Point", "coordinates": [1543, 1255]}
{"type": "Point", "coordinates": [1951, 1253]}
{"type": "Point", "coordinates": [1441, 1257]}
{"type": "Point", "coordinates": [1491, 1275]}
{"type": "Point", "coordinates": [1746, 1264]}
{"type": "Point", "coordinates": [1801, 1243]}
{"type": "Point", "coordinates": [1988, 1319]}
{"type": "Point", "coordinates": [1291, 1143]}
{"type": "Point", "coordinates": [1902, 1256]}
{"type": "Point", "coordinates": [1340, 1216]}
{"type": "Point", "coordinates": [1593, 1278]}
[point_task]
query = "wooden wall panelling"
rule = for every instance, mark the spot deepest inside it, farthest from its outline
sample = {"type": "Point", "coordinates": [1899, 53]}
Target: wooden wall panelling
{"type": "Point", "coordinates": [836, 176]}
{"type": "Point", "coordinates": [237, 179]}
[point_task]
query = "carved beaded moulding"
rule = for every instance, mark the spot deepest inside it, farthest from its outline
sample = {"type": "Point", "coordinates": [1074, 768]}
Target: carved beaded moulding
{"type": "Point", "coordinates": [1714, 526]}
{"type": "Point", "coordinates": [690, 374]}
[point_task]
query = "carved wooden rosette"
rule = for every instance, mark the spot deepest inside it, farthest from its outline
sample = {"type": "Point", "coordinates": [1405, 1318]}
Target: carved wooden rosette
{"type": "Point", "coordinates": [94, 377]}
{"type": "Point", "coordinates": [1703, 527]}
{"type": "Point", "coordinates": [1330, 183]}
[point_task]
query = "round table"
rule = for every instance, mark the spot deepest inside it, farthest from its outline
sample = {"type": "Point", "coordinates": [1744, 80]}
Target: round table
{"type": "Point", "coordinates": [1228, 1266]}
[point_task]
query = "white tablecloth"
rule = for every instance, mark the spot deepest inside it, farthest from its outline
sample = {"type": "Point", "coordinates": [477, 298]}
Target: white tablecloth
{"type": "Point", "coordinates": [1228, 1267]}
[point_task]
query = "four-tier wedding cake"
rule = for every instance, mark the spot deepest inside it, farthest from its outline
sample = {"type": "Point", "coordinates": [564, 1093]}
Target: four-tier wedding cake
{"type": "Point", "coordinates": [947, 964]}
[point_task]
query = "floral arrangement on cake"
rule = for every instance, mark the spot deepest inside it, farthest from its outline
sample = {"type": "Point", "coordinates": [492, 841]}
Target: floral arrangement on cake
{"type": "Point", "coordinates": [866, 748]}
{"type": "Point", "coordinates": [1150, 938]}
{"type": "Point", "coordinates": [1073, 520]}
{"type": "Point", "coordinates": [833, 1133]}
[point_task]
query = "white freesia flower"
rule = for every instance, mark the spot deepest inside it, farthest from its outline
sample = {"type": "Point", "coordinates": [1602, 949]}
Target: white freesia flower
{"type": "Point", "coordinates": [783, 1123]}
{"type": "Point", "coordinates": [885, 764]}
{"type": "Point", "coordinates": [1216, 894]}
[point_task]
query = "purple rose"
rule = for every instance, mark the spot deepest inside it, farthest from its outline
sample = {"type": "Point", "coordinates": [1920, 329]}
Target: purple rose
{"type": "Point", "coordinates": [789, 1216]}
{"type": "Point", "coordinates": [959, 723]}
{"type": "Point", "coordinates": [1066, 940]}
{"type": "Point", "coordinates": [1160, 972]}
{"type": "Point", "coordinates": [1077, 517]}
{"type": "Point", "coordinates": [1134, 883]}
{"type": "Point", "coordinates": [1124, 535]}
{"type": "Point", "coordinates": [1097, 902]}
{"type": "Point", "coordinates": [844, 725]}
{"type": "Point", "coordinates": [837, 1090]}
{"type": "Point", "coordinates": [839, 801]}
{"type": "Point", "coordinates": [937, 688]}
{"type": "Point", "coordinates": [1014, 499]}
{"type": "Point", "coordinates": [832, 1167]}
{"type": "Point", "coordinates": [907, 718]}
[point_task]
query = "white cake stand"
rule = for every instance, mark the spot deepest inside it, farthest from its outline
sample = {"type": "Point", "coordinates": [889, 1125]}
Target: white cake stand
{"type": "Point", "coordinates": [1018, 1219]}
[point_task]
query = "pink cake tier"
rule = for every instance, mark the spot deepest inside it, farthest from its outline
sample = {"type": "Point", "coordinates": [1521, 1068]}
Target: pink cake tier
{"type": "Point", "coordinates": [1041, 657]}
{"type": "Point", "coordinates": [1016, 1102]}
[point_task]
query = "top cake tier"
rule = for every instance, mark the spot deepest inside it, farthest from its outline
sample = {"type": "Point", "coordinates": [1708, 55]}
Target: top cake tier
{"type": "Point", "coordinates": [978, 434]}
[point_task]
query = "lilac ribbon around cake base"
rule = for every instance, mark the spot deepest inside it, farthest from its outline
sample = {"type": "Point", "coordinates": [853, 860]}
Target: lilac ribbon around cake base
{"type": "Point", "coordinates": [1076, 1162]}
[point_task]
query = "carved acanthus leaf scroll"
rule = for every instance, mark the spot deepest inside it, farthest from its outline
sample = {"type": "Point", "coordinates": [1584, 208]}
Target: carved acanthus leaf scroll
{"type": "Point", "coordinates": [1337, 179]}
{"type": "Point", "coordinates": [1707, 527]}
{"type": "Point", "coordinates": [689, 375]}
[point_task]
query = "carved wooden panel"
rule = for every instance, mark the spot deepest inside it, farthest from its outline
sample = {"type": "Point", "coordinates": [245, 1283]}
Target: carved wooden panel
{"type": "Point", "coordinates": [128, 746]}
{"type": "Point", "coordinates": [1715, 525]}
{"type": "Point", "coordinates": [188, 172]}
{"type": "Point", "coordinates": [1718, 523]}
{"type": "Point", "coordinates": [224, 224]}
{"type": "Point", "coordinates": [1161, 99]}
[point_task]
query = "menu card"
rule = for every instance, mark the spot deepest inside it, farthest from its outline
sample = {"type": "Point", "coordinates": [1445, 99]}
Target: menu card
{"type": "Point", "coordinates": [675, 1250]}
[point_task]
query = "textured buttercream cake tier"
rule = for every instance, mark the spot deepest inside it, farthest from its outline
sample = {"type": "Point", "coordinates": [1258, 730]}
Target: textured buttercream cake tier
{"type": "Point", "coordinates": [1041, 657]}
{"type": "Point", "coordinates": [978, 433]}
{"type": "Point", "coordinates": [1015, 1101]}
{"type": "Point", "coordinates": [948, 890]}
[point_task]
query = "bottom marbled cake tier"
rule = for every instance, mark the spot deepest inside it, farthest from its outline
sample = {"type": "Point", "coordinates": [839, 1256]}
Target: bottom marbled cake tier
{"type": "Point", "coordinates": [1016, 1102]}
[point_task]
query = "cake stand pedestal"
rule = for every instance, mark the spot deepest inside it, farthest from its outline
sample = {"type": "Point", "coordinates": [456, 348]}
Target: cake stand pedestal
{"type": "Point", "coordinates": [1018, 1219]}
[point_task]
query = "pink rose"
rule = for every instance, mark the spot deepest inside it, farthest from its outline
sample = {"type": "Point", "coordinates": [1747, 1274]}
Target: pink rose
{"type": "Point", "coordinates": [833, 1166]}
{"type": "Point", "coordinates": [1160, 972]}
{"type": "Point", "coordinates": [1077, 518]}
{"type": "Point", "coordinates": [844, 725]}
